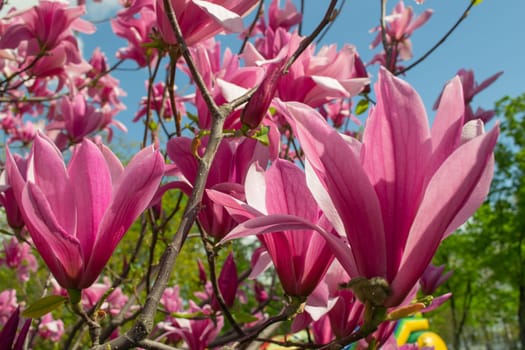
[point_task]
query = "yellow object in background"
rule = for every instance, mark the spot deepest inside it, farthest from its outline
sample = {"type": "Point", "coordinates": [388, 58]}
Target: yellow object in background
{"type": "Point", "coordinates": [408, 325]}
{"type": "Point", "coordinates": [431, 339]}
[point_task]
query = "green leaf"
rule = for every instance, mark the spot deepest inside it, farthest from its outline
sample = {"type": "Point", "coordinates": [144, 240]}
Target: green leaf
{"type": "Point", "coordinates": [43, 306]}
{"type": "Point", "coordinates": [242, 316]}
{"type": "Point", "coordinates": [362, 107]}
{"type": "Point", "coordinates": [262, 135]}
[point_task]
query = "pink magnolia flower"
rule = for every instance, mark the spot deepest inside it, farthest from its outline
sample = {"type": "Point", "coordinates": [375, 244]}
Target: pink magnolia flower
{"type": "Point", "coordinates": [399, 193]}
{"type": "Point", "coordinates": [161, 104]}
{"type": "Point", "coordinates": [405, 188]}
{"type": "Point", "coordinates": [47, 26]}
{"type": "Point", "coordinates": [77, 215]}
{"type": "Point", "coordinates": [200, 20]}
{"type": "Point", "coordinates": [114, 301]}
{"type": "Point", "coordinates": [227, 173]}
{"type": "Point", "coordinates": [470, 89]}
{"type": "Point", "coordinates": [225, 78]}
{"type": "Point", "coordinates": [171, 300]}
{"type": "Point", "coordinates": [399, 26]}
{"type": "Point", "coordinates": [197, 333]}
{"type": "Point", "coordinates": [137, 30]}
{"type": "Point", "coordinates": [285, 18]}
{"type": "Point", "coordinates": [8, 305]}
{"type": "Point", "coordinates": [300, 258]}
{"type": "Point", "coordinates": [18, 256]}
{"type": "Point", "coordinates": [51, 329]}
{"type": "Point", "coordinates": [78, 118]}
{"type": "Point", "coordinates": [314, 79]}
{"type": "Point", "coordinates": [101, 86]}
{"type": "Point", "coordinates": [433, 277]}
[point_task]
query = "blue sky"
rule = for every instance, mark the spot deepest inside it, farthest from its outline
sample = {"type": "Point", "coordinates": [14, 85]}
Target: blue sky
{"type": "Point", "coordinates": [488, 41]}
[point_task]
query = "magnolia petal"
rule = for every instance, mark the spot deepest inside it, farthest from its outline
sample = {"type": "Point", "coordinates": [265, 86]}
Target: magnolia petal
{"type": "Point", "coordinates": [113, 164]}
{"type": "Point", "coordinates": [255, 188]}
{"type": "Point", "coordinates": [61, 251]}
{"type": "Point", "coordinates": [47, 170]}
{"type": "Point", "coordinates": [239, 210]}
{"type": "Point", "coordinates": [231, 21]}
{"type": "Point", "coordinates": [279, 223]}
{"type": "Point", "coordinates": [341, 176]}
{"type": "Point", "coordinates": [261, 261]}
{"type": "Point", "coordinates": [447, 193]}
{"type": "Point", "coordinates": [448, 123]}
{"type": "Point", "coordinates": [91, 183]}
{"type": "Point", "coordinates": [180, 152]}
{"type": "Point", "coordinates": [286, 191]}
{"type": "Point", "coordinates": [137, 186]}
{"type": "Point", "coordinates": [395, 154]}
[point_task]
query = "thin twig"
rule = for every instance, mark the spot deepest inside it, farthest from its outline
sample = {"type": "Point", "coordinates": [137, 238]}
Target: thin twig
{"type": "Point", "coordinates": [338, 12]}
{"type": "Point", "coordinates": [441, 41]}
{"type": "Point", "coordinates": [260, 11]}
{"type": "Point", "coordinates": [145, 322]}
{"type": "Point", "coordinates": [211, 255]}
{"type": "Point", "coordinates": [328, 17]}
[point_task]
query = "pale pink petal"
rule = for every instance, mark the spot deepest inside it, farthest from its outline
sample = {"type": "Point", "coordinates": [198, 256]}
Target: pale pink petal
{"type": "Point", "coordinates": [446, 130]}
{"type": "Point", "coordinates": [343, 178]}
{"type": "Point", "coordinates": [447, 193]}
{"type": "Point", "coordinates": [280, 223]}
{"type": "Point", "coordinates": [419, 21]}
{"type": "Point", "coordinates": [231, 21]}
{"type": "Point", "coordinates": [113, 163]}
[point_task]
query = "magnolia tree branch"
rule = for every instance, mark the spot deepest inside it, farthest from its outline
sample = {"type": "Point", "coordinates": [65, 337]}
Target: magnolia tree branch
{"type": "Point", "coordinates": [260, 11]}
{"type": "Point", "coordinates": [211, 255]}
{"type": "Point", "coordinates": [145, 322]}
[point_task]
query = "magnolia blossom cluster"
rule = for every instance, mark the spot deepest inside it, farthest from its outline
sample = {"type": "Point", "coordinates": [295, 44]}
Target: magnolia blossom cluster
{"type": "Point", "coordinates": [347, 219]}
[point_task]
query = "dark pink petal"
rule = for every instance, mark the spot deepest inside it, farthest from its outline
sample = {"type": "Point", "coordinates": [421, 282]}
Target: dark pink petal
{"type": "Point", "coordinates": [228, 280]}
{"type": "Point", "coordinates": [486, 83]}
{"type": "Point", "coordinates": [395, 154]}
{"type": "Point", "coordinates": [47, 170]}
{"type": "Point", "coordinates": [8, 332]}
{"type": "Point", "coordinates": [91, 183]}
{"type": "Point", "coordinates": [60, 250]}
{"type": "Point", "coordinates": [137, 186]}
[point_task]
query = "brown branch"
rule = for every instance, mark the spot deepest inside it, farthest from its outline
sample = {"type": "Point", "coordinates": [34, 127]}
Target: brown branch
{"type": "Point", "coordinates": [328, 17]}
{"type": "Point", "coordinates": [260, 11]}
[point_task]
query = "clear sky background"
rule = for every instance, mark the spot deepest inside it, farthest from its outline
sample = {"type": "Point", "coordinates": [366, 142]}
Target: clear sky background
{"type": "Point", "coordinates": [491, 39]}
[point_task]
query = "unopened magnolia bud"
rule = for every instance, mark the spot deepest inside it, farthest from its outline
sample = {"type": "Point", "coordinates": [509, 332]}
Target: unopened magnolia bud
{"type": "Point", "coordinates": [257, 107]}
